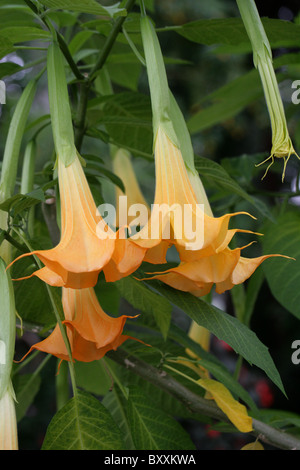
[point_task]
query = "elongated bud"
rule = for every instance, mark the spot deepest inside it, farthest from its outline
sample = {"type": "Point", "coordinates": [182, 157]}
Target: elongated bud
{"type": "Point", "coordinates": [7, 327]}
{"type": "Point", "coordinates": [14, 140]}
{"type": "Point", "coordinates": [158, 83]}
{"type": "Point", "coordinates": [60, 111]}
{"type": "Point", "coordinates": [27, 180]}
{"type": "Point", "coordinates": [282, 146]}
{"type": "Point", "coordinates": [8, 421]}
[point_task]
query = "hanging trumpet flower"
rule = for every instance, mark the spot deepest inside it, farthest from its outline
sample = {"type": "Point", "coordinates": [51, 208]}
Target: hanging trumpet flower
{"type": "Point", "coordinates": [87, 243]}
{"type": "Point", "coordinates": [91, 332]}
{"type": "Point", "coordinates": [181, 214]}
{"type": "Point", "coordinates": [8, 423]}
{"type": "Point", "coordinates": [282, 146]}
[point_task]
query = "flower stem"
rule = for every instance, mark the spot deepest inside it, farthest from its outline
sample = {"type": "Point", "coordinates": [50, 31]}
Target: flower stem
{"type": "Point", "coordinates": [86, 85]}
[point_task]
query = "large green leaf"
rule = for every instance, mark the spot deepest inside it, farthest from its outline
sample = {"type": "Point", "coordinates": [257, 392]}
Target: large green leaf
{"type": "Point", "coordinates": [225, 327]}
{"type": "Point", "coordinates": [83, 424]}
{"type": "Point", "coordinates": [231, 31]}
{"type": "Point", "coordinates": [116, 404]}
{"type": "Point", "coordinates": [283, 275]}
{"type": "Point", "coordinates": [231, 98]}
{"type": "Point", "coordinates": [215, 172]}
{"type": "Point", "coordinates": [6, 46]}
{"type": "Point", "coordinates": [151, 428]}
{"type": "Point", "coordinates": [26, 387]}
{"type": "Point", "coordinates": [127, 118]}
{"type": "Point", "coordinates": [16, 15]}
{"type": "Point", "coordinates": [141, 297]}
{"type": "Point", "coordinates": [227, 101]}
{"type": "Point", "coordinates": [85, 6]}
{"type": "Point", "coordinates": [18, 34]}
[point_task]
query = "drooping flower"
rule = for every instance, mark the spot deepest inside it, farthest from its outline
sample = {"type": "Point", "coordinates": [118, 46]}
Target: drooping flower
{"type": "Point", "coordinates": [176, 217]}
{"type": "Point", "coordinates": [91, 332]}
{"type": "Point", "coordinates": [282, 146]}
{"type": "Point", "coordinates": [86, 244]}
{"type": "Point", "coordinates": [214, 264]}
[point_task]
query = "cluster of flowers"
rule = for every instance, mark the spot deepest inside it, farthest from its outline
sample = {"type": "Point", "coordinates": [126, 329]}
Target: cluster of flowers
{"type": "Point", "coordinates": [89, 246]}
{"type": "Point", "coordinates": [75, 263]}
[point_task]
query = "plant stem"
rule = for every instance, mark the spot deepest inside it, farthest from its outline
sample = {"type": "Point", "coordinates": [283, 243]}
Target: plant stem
{"type": "Point", "coordinates": [111, 38]}
{"type": "Point", "coordinates": [86, 85]}
{"type": "Point", "coordinates": [63, 46]}
{"type": "Point", "coordinates": [197, 404]}
{"type": "Point", "coordinates": [81, 114]}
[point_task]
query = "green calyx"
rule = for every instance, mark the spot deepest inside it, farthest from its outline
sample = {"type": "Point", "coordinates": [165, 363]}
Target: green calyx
{"type": "Point", "coordinates": [60, 111]}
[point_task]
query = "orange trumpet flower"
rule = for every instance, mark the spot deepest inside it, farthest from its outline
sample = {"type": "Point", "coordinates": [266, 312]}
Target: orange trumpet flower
{"type": "Point", "coordinates": [209, 260]}
{"type": "Point", "coordinates": [87, 243]}
{"type": "Point", "coordinates": [225, 269]}
{"type": "Point", "coordinates": [177, 218]}
{"type": "Point", "coordinates": [91, 332]}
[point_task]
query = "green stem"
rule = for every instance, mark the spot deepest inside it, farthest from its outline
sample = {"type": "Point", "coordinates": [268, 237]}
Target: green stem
{"type": "Point", "coordinates": [111, 38]}
{"type": "Point", "coordinates": [14, 243]}
{"type": "Point", "coordinates": [63, 46]}
{"type": "Point", "coordinates": [81, 114]}
{"type": "Point", "coordinates": [86, 85]}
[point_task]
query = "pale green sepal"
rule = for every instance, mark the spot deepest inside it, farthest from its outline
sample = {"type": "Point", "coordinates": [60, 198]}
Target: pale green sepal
{"type": "Point", "coordinates": [158, 82]}
{"type": "Point", "coordinates": [60, 111]}
{"type": "Point", "coordinates": [14, 140]}
{"type": "Point", "coordinates": [183, 135]}
{"type": "Point", "coordinates": [7, 328]}
{"type": "Point", "coordinates": [255, 30]}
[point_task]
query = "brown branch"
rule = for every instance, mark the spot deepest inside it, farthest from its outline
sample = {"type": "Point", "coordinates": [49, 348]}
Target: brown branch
{"type": "Point", "coordinates": [197, 404]}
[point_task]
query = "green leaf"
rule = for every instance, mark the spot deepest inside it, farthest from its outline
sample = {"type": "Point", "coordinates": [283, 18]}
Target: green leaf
{"type": "Point", "coordinates": [141, 297]}
{"type": "Point", "coordinates": [93, 377]}
{"type": "Point", "coordinates": [116, 404]}
{"type": "Point", "coordinates": [83, 424]}
{"type": "Point", "coordinates": [214, 171]}
{"type": "Point", "coordinates": [18, 34]}
{"type": "Point", "coordinates": [231, 98]}
{"type": "Point", "coordinates": [20, 202]}
{"type": "Point", "coordinates": [85, 6]}
{"type": "Point", "coordinates": [226, 102]}
{"type": "Point", "coordinates": [151, 428]}
{"type": "Point", "coordinates": [26, 387]}
{"type": "Point", "coordinates": [225, 327]}
{"type": "Point", "coordinates": [127, 118]}
{"type": "Point", "coordinates": [283, 275]}
{"type": "Point", "coordinates": [8, 69]}
{"type": "Point", "coordinates": [16, 15]}
{"type": "Point", "coordinates": [6, 46]}
{"type": "Point", "coordinates": [231, 31]}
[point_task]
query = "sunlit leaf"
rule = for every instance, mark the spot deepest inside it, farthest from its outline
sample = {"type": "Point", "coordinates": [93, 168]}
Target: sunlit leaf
{"type": "Point", "coordinates": [83, 424]}
{"type": "Point", "coordinates": [151, 428]}
{"type": "Point", "coordinates": [283, 275]}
